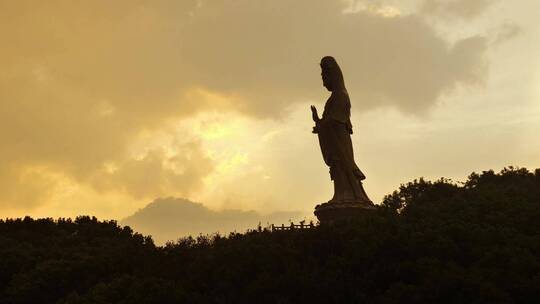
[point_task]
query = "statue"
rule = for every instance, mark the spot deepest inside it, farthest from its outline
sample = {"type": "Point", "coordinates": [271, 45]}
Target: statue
{"type": "Point", "coordinates": [334, 130]}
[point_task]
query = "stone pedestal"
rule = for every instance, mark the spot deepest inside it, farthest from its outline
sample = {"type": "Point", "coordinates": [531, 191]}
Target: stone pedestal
{"type": "Point", "coordinates": [331, 212]}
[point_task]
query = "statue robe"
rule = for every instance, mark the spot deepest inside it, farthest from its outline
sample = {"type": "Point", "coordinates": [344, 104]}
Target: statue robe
{"type": "Point", "coordinates": [334, 131]}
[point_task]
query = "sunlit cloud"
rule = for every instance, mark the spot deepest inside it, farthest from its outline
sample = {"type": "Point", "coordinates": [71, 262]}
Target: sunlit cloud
{"type": "Point", "coordinates": [386, 11]}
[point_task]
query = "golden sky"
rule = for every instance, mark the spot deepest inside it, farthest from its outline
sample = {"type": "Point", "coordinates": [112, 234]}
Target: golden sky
{"type": "Point", "coordinates": [108, 105]}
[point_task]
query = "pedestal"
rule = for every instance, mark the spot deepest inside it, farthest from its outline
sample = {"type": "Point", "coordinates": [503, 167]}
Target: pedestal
{"type": "Point", "coordinates": [331, 212]}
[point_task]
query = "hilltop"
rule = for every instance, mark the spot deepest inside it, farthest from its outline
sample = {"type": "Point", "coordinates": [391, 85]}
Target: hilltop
{"type": "Point", "coordinates": [170, 218]}
{"type": "Point", "coordinates": [428, 242]}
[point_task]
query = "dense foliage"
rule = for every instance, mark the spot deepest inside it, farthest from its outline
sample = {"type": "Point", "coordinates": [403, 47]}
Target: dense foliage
{"type": "Point", "coordinates": [429, 242]}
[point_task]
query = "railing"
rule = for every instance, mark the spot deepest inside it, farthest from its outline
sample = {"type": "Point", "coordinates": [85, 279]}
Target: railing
{"type": "Point", "coordinates": [292, 226]}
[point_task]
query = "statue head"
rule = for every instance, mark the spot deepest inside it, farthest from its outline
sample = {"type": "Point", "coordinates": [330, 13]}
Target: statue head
{"type": "Point", "coordinates": [331, 74]}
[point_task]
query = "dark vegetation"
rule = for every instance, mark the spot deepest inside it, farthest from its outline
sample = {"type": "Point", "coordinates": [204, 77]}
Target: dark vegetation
{"type": "Point", "coordinates": [429, 242]}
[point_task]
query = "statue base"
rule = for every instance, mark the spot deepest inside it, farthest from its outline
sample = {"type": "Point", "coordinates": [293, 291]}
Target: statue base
{"type": "Point", "coordinates": [331, 212]}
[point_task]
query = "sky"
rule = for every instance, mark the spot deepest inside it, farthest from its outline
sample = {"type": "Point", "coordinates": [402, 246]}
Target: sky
{"type": "Point", "coordinates": [108, 106]}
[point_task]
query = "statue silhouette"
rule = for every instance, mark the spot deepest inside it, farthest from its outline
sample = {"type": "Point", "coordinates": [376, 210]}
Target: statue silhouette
{"type": "Point", "coordinates": [334, 130]}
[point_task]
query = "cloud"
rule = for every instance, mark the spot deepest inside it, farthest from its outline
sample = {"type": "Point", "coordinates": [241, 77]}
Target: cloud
{"type": "Point", "coordinates": [144, 58]}
{"type": "Point", "coordinates": [171, 218]}
{"type": "Point", "coordinates": [506, 32]}
{"type": "Point", "coordinates": [465, 9]}
{"type": "Point", "coordinates": [268, 54]}
{"type": "Point", "coordinates": [82, 80]}
{"type": "Point", "coordinates": [156, 173]}
{"type": "Point", "coordinates": [25, 187]}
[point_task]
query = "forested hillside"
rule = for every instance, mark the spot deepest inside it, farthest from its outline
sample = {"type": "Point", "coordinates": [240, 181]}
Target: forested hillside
{"type": "Point", "coordinates": [428, 242]}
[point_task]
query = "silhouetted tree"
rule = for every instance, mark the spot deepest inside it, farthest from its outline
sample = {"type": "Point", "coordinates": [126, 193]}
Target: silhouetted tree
{"type": "Point", "coordinates": [428, 242]}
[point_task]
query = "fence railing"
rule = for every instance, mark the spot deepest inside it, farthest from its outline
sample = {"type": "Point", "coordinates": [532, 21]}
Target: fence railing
{"type": "Point", "coordinates": [292, 226]}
